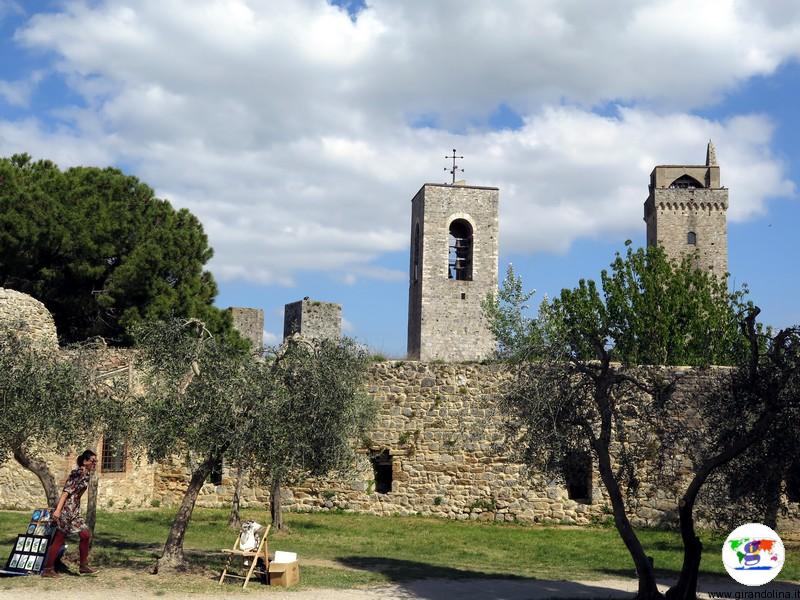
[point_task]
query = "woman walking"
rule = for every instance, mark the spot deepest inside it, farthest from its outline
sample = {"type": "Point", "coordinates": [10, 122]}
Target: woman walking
{"type": "Point", "coordinates": [67, 516]}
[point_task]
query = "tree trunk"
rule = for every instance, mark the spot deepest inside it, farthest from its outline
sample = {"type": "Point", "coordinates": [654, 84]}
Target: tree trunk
{"type": "Point", "coordinates": [91, 503]}
{"type": "Point", "coordinates": [234, 520]}
{"type": "Point", "coordinates": [172, 558]}
{"type": "Point", "coordinates": [39, 468]}
{"type": "Point", "coordinates": [686, 588]}
{"type": "Point", "coordinates": [91, 497]}
{"type": "Point", "coordinates": [648, 590]}
{"type": "Point", "coordinates": [275, 508]}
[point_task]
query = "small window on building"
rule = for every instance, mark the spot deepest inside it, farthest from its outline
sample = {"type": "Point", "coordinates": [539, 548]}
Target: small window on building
{"type": "Point", "coordinates": [691, 238]}
{"type": "Point", "coordinates": [114, 455]}
{"type": "Point", "coordinates": [459, 259]}
{"type": "Point", "coordinates": [382, 468]}
{"type": "Point", "coordinates": [685, 182]}
{"type": "Point", "coordinates": [415, 265]}
{"type": "Point", "coordinates": [215, 477]}
{"type": "Point", "coordinates": [578, 475]}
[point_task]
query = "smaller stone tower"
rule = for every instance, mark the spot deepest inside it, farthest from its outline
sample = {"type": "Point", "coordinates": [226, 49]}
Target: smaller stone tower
{"type": "Point", "coordinates": [249, 322]}
{"type": "Point", "coordinates": [454, 245]}
{"type": "Point", "coordinates": [313, 319]}
{"type": "Point", "coordinates": [686, 212]}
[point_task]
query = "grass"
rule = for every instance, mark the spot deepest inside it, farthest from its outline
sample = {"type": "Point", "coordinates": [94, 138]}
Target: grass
{"type": "Point", "coordinates": [347, 550]}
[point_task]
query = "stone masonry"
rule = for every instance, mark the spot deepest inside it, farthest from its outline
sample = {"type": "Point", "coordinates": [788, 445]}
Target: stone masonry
{"type": "Point", "coordinates": [437, 429]}
{"type": "Point", "coordinates": [313, 319]}
{"type": "Point", "coordinates": [249, 322]}
{"type": "Point", "coordinates": [686, 212]}
{"type": "Point", "coordinates": [25, 315]}
{"type": "Point", "coordinates": [445, 319]}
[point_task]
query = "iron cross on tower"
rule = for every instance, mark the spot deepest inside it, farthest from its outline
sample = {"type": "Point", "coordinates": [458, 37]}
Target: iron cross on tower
{"type": "Point", "coordinates": [455, 168]}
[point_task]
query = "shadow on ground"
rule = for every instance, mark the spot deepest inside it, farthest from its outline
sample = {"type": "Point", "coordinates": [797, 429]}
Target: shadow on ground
{"type": "Point", "coordinates": [432, 582]}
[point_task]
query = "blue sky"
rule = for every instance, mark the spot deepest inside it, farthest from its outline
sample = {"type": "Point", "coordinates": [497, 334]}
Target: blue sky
{"type": "Point", "coordinates": [299, 131]}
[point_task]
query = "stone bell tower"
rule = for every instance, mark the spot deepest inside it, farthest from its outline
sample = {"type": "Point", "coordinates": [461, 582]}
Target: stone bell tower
{"type": "Point", "coordinates": [686, 212]}
{"type": "Point", "coordinates": [453, 266]}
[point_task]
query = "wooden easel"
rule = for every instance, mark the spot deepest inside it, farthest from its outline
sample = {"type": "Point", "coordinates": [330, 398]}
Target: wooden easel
{"type": "Point", "coordinates": [259, 553]}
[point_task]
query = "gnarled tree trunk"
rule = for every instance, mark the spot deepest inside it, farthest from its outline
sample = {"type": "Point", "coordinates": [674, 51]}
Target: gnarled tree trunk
{"type": "Point", "coordinates": [275, 508]}
{"type": "Point", "coordinates": [91, 503]}
{"type": "Point", "coordinates": [39, 468]}
{"type": "Point", "coordinates": [234, 520]}
{"type": "Point", "coordinates": [172, 557]}
{"type": "Point", "coordinates": [648, 590]}
{"type": "Point", "coordinates": [91, 497]}
{"type": "Point", "coordinates": [686, 587]}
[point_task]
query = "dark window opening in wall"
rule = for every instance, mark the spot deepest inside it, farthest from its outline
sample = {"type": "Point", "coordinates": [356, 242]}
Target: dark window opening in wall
{"type": "Point", "coordinates": [415, 267]}
{"type": "Point", "coordinates": [793, 483]}
{"type": "Point", "coordinates": [113, 456]}
{"type": "Point", "coordinates": [691, 238]}
{"type": "Point", "coordinates": [459, 258]}
{"type": "Point", "coordinates": [685, 182]}
{"type": "Point", "coordinates": [578, 475]}
{"type": "Point", "coordinates": [382, 468]}
{"type": "Point", "coordinates": [215, 477]}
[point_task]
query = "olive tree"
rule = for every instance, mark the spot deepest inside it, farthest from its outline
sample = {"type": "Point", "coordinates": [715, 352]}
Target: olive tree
{"type": "Point", "coordinates": [312, 427]}
{"type": "Point", "coordinates": [746, 420]}
{"type": "Point", "coordinates": [50, 401]}
{"type": "Point", "coordinates": [197, 402]}
{"type": "Point", "coordinates": [577, 384]}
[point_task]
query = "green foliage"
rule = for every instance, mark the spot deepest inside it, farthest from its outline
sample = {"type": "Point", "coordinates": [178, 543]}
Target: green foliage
{"type": "Point", "coordinates": [198, 391]}
{"type": "Point", "coordinates": [569, 397]}
{"type": "Point", "coordinates": [48, 399]}
{"type": "Point", "coordinates": [648, 310]}
{"type": "Point", "coordinates": [507, 315]}
{"type": "Point", "coordinates": [664, 313]}
{"type": "Point", "coordinates": [484, 504]}
{"type": "Point", "coordinates": [310, 426]}
{"type": "Point", "coordinates": [101, 251]}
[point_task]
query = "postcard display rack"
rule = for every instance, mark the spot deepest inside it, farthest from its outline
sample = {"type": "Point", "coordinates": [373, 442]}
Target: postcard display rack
{"type": "Point", "coordinates": [28, 554]}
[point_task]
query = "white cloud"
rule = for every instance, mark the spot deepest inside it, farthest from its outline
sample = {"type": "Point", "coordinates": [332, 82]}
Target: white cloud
{"type": "Point", "coordinates": [347, 326]}
{"type": "Point", "coordinates": [285, 126]}
{"type": "Point", "coordinates": [10, 7]}
{"type": "Point", "coordinates": [270, 339]}
{"type": "Point", "coordinates": [18, 93]}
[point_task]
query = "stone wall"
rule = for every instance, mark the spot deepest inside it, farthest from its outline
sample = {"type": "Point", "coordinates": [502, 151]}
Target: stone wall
{"type": "Point", "coordinates": [436, 429]}
{"type": "Point", "coordinates": [24, 314]}
{"type": "Point", "coordinates": [439, 425]}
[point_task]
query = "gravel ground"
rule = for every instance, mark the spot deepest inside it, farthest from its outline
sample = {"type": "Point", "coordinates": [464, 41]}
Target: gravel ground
{"type": "Point", "coordinates": [116, 585]}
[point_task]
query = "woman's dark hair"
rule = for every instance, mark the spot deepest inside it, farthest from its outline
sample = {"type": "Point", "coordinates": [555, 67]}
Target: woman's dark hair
{"type": "Point", "coordinates": [82, 458]}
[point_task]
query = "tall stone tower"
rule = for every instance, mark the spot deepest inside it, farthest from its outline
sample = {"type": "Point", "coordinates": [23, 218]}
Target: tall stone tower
{"type": "Point", "coordinates": [454, 231]}
{"type": "Point", "coordinates": [686, 212]}
{"type": "Point", "coordinates": [312, 319]}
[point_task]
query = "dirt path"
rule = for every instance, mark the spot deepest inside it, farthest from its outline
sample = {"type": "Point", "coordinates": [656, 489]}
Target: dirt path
{"type": "Point", "coordinates": [119, 584]}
